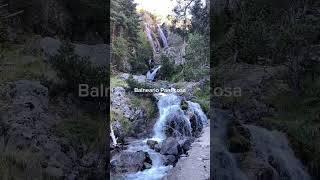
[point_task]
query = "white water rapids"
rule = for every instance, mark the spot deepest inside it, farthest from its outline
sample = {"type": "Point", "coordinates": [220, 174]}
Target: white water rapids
{"type": "Point", "coordinates": [168, 105]}
{"type": "Point", "coordinates": [152, 73]}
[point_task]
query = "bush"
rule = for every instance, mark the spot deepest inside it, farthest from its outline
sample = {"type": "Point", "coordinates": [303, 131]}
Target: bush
{"type": "Point", "coordinates": [167, 68]}
{"type": "Point", "coordinates": [121, 54]}
{"type": "Point", "coordinates": [197, 58]}
{"type": "Point", "coordinates": [262, 32]}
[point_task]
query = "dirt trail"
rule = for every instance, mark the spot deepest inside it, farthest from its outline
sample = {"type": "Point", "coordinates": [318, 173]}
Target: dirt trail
{"type": "Point", "coordinates": [197, 165]}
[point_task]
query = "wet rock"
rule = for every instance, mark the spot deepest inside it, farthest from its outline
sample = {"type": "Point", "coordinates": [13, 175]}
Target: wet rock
{"type": "Point", "coordinates": [171, 146]}
{"type": "Point", "coordinates": [157, 147]}
{"type": "Point", "coordinates": [177, 125]}
{"type": "Point", "coordinates": [152, 143]}
{"type": "Point", "coordinates": [130, 162]}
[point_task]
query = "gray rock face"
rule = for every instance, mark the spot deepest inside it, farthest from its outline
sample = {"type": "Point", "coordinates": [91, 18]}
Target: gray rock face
{"type": "Point", "coordinates": [130, 162]}
{"type": "Point", "coordinates": [120, 102]}
{"type": "Point", "coordinates": [98, 54]}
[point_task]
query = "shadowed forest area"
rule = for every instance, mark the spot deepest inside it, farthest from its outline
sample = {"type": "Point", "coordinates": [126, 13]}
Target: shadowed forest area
{"type": "Point", "coordinates": [271, 50]}
{"type": "Point", "coordinates": [48, 48]}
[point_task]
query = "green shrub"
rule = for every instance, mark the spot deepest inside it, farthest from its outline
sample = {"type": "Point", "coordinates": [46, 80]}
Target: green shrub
{"type": "Point", "coordinates": [143, 55]}
{"type": "Point", "coordinates": [261, 32]}
{"type": "Point", "coordinates": [167, 67]}
{"type": "Point", "coordinates": [145, 103]}
{"type": "Point", "coordinates": [197, 58]}
{"type": "Point", "coordinates": [121, 54]}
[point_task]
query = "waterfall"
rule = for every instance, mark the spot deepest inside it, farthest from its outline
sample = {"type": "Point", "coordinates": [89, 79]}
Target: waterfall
{"type": "Point", "coordinates": [270, 148]}
{"type": "Point", "coordinates": [273, 147]}
{"type": "Point", "coordinates": [155, 44]}
{"type": "Point", "coordinates": [196, 109]}
{"type": "Point", "coordinates": [169, 106]}
{"type": "Point", "coordinates": [163, 37]}
{"type": "Point", "coordinates": [113, 137]}
{"type": "Point", "coordinates": [149, 35]}
{"type": "Point", "coordinates": [171, 112]}
{"type": "Point", "coordinates": [152, 73]}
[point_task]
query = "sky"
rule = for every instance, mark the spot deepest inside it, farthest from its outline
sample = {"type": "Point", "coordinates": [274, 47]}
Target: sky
{"type": "Point", "coordinates": [159, 7]}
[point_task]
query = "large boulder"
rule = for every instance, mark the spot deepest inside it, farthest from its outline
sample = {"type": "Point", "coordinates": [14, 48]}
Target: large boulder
{"type": "Point", "coordinates": [130, 162]}
{"type": "Point", "coordinates": [171, 146]}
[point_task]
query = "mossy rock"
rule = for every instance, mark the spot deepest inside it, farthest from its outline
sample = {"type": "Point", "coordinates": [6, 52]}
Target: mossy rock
{"type": "Point", "coordinates": [184, 105]}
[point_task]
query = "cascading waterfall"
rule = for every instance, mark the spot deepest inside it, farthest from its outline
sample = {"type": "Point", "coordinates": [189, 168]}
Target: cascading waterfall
{"type": "Point", "coordinates": [113, 137]}
{"type": "Point", "coordinates": [163, 37]}
{"type": "Point", "coordinates": [269, 147]}
{"type": "Point", "coordinates": [169, 106]}
{"type": "Point", "coordinates": [274, 145]}
{"type": "Point", "coordinates": [149, 35]}
{"type": "Point", "coordinates": [196, 109]}
{"type": "Point", "coordinates": [152, 73]}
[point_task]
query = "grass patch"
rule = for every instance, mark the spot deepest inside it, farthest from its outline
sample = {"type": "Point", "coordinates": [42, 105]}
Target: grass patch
{"type": "Point", "coordinates": [87, 129]}
{"type": "Point", "coordinates": [117, 82]}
